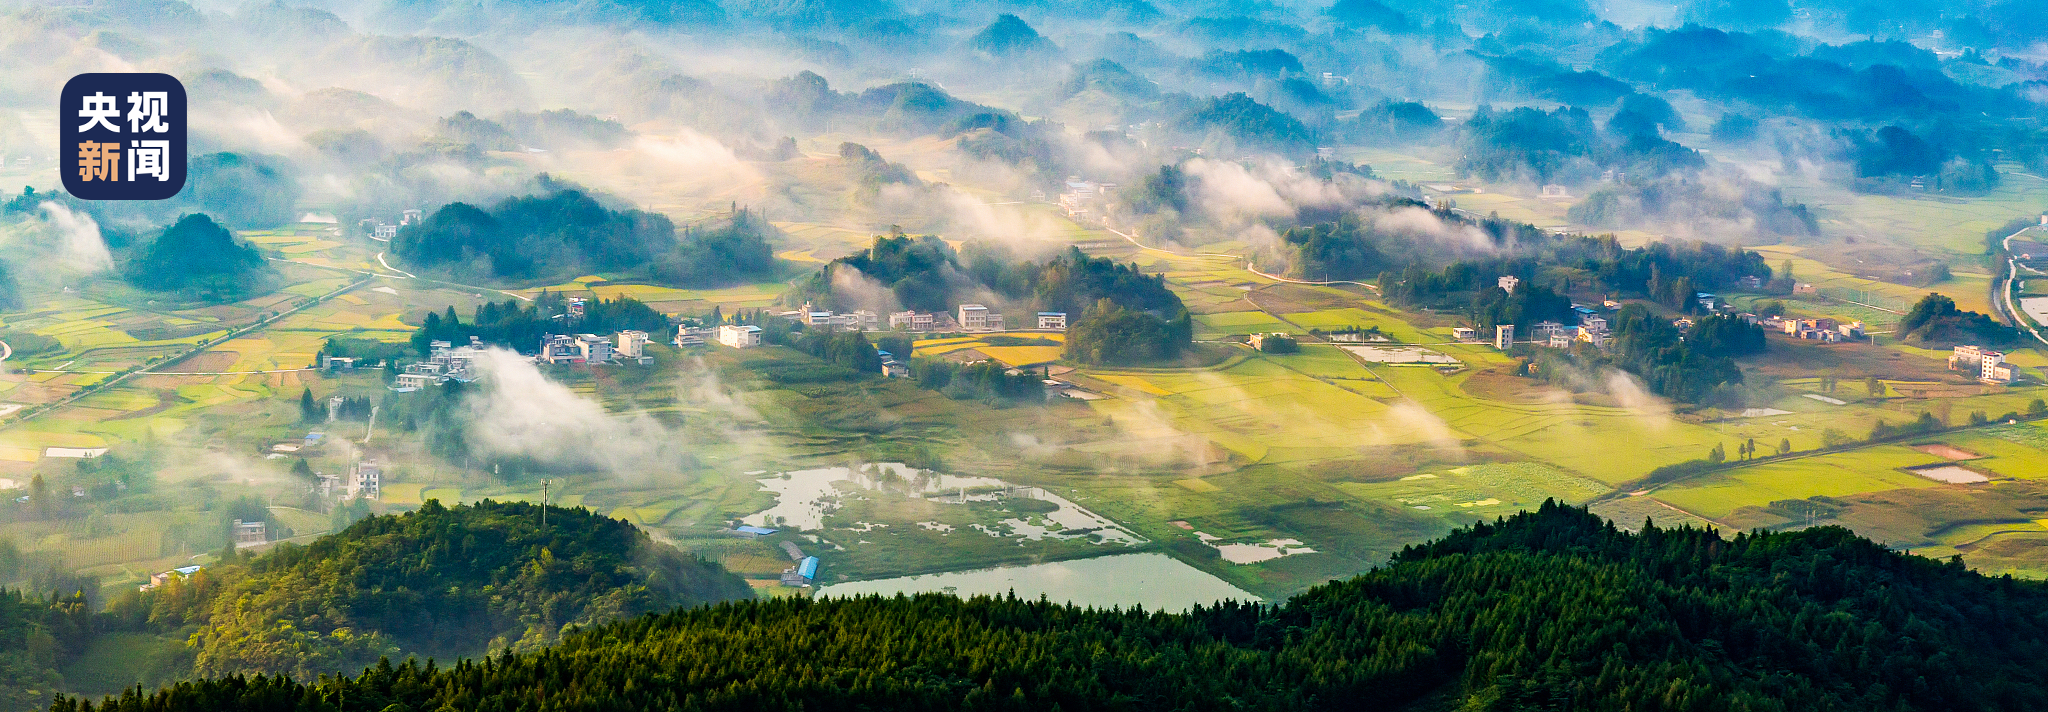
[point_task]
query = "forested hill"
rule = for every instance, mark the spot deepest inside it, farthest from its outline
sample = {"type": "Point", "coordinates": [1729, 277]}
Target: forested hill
{"type": "Point", "coordinates": [439, 582]}
{"type": "Point", "coordinates": [1551, 610]}
{"type": "Point", "coordinates": [566, 231]}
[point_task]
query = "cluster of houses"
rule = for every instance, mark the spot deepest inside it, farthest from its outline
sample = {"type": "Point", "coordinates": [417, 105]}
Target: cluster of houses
{"type": "Point", "coordinates": [1591, 328]}
{"type": "Point", "coordinates": [444, 363]}
{"type": "Point", "coordinates": [627, 345]}
{"type": "Point", "coordinates": [968, 318]}
{"type": "Point", "coordinates": [380, 230]}
{"type": "Point", "coordinates": [1820, 329]}
{"type": "Point", "coordinates": [249, 534]}
{"type": "Point", "coordinates": [1086, 201]}
{"type": "Point", "coordinates": [1989, 366]}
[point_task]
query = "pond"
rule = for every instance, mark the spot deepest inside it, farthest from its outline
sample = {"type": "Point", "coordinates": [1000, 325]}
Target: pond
{"type": "Point", "coordinates": [804, 498]}
{"type": "Point", "coordinates": [1155, 581]}
{"type": "Point", "coordinates": [1398, 354]}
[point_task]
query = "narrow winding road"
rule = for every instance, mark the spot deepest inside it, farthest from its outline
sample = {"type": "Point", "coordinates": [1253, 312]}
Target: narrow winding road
{"type": "Point", "coordinates": [2012, 276]}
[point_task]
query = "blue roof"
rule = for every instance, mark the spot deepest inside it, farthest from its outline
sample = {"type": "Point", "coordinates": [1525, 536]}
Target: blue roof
{"type": "Point", "coordinates": [757, 531]}
{"type": "Point", "coordinates": [187, 570]}
{"type": "Point", "coordinates": [809, 568]}
{"type": "Point", "coordinates": [1052, 313]}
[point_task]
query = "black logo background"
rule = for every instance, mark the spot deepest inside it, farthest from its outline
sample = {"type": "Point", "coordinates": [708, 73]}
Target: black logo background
{"type": "Point", "coordinates": [119, 86]}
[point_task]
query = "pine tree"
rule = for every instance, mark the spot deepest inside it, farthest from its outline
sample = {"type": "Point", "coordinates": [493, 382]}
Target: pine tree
{"type": "Point", "coordinates": [309, 412]}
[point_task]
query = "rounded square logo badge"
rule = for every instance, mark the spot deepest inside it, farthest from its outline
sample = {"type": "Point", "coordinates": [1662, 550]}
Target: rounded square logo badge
{"type": "Point", "coordinates": [122, 136]}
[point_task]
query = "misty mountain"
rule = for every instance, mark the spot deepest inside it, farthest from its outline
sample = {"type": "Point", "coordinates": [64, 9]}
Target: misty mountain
{"type": "Point", "coordinates": [1010, 37]}
{"type": "Point", "coordinates": [198, 256]}
{"type": "Point", "coordinates": [566, 231]}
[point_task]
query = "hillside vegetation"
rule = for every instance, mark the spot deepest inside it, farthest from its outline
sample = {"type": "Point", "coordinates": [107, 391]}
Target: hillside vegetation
{"type": "Point", "coordinates": [1555, 609]}
{"type": "Point", "coordinates": [567, 232]}
{"type": "Point", "coordinates": [439, 582]}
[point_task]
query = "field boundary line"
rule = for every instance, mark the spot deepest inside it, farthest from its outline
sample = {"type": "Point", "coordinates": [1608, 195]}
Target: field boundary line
{"type": "Point", "coordinates": [1734, 465]}
{"type": "Point", "coordinates": [29, 414]}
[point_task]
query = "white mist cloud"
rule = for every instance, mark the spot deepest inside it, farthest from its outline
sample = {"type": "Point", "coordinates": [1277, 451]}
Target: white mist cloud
{"type": "Point", "coordinates": [1229, 192]}
{"type": "Point", "coordinates": [249, 129]}
{"type": "Point", "coordinates": [521, 412]}
{"type": "Point", "coordinates": [81, 247]}
{"type": "Point", "coordinates": [1028, 231]}
{"type": "Point", "coordinates": [853, 290]}
{"type": "Point", "coordinates": [1433, 429]}
{"type": "Point", "coordinates": [1425, 224]}
{"type": "Point", "coordinates": [1630, 394]}
{"type": "Point", "coordinates": [695, 157]}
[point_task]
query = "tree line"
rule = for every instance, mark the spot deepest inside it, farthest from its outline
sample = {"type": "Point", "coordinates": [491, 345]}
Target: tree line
{"type": "Point", "coordinates": [1552, 609]}
{"type": "Point", "coordinates": [520, 326]}
{"type": "Point", "coordinates": [1142, 319]}
{"type": "Point", "coordinates": [1693, 365]}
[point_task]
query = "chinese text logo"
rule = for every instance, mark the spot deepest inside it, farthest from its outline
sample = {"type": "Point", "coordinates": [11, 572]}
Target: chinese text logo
{"type": "Point", "coordinates": [122, 136]}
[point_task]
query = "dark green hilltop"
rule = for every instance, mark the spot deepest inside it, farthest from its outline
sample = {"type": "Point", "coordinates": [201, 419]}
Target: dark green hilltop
{"type": "Point", "coordinates": [1551, 610]}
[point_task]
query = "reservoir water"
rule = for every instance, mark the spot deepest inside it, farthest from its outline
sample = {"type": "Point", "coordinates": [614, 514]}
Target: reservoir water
{"type": "Point", "coordinates": [1155, 581]}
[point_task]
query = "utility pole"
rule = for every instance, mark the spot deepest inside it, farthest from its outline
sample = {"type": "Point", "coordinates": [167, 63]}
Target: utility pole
{"type": "Point", "coordinates": [543, 503]}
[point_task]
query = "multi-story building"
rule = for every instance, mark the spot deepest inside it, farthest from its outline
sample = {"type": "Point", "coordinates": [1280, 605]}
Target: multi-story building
{"type": "Point", "coordinates": [739, 336]}
{"type": "Point", "coordinates": [2000, 372]}
{"type": "Point", "coordinates": [1967, 357]}
{"type": "Point", "coordinates": [692, 335]}
{"type": "Point", "coordinates": [248, 534]}
{"type": "Point", "coordinates": [973, 317]}
{"type": "Point", "coordinates": [811, 316]}
{"type": "Point", "coordinates": [559, 348]}
{"type": "Point", "coordinates": [1544, 330]}
{"type": "Point", "coordinates": [1504, 337]}
{"type": "Point", "coordinates": [595, 349]}
{"type": "Point", "coordinates": [632, 344]}
{"type": "Point", "coordinates": [1596, 337]}
{"type": "Point", "coordinates": [1507, 283]}
{"type": "Point", "coordinates": [1052, 320]}
{"type": "Point", "coordinates": [365, 480]}
{"type": "Point", "coordinates": [1987, 365]}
